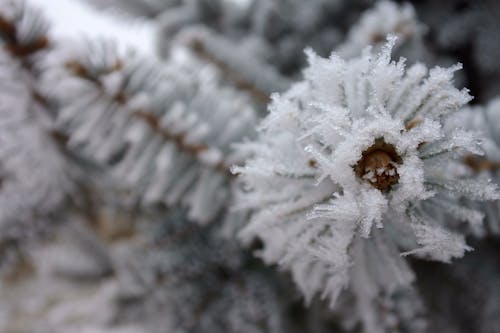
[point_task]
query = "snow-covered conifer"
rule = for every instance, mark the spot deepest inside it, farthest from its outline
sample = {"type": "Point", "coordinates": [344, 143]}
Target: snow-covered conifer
{"type": "Point", "coordinates": [483, 121]}
{"type": "Point", "coordinates": [34, 178]}
{"type": "Point", "coordinates": [163, 131]}
{"type": "Point", "coordinates": [375, 24]}
{"type": "Point", "coordinates": [146, 9]}
{"type": "Point", "coordinates": [348, 169]}
{"type": "Point", "coordinates": [126, 180]}
{"type": "Point", "coordinates": [183, 277]}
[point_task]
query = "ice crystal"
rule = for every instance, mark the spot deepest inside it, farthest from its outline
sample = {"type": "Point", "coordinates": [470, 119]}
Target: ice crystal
{"type": "Point", "coordinates": [155, 128]}
{"type": "Point", "coordinates": [385, 18]}
{"type": "Point", "coordinates": [184, 278]}
{"type": "Point", "coordinates": [482, 120]}
{"type": "Point", "coordinates": [34, 179]}
{"type": "Point", "coordinates": [355, 155]}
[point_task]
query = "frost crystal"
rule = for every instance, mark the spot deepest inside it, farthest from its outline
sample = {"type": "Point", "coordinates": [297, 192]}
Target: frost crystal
{"type": "Point", "coordinates": [483, 121]}
{"type": "Point", "coordinates": [347, 169]}
{"type": "Point", "coordinates": [156, 128]}
{"type": "Point", "coordinates": [34, 178]}
{"type": "Point", "coordinates": [385, 18]}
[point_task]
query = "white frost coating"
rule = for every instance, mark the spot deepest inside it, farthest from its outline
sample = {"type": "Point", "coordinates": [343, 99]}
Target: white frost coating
{"type": "Point", "coordinates": [385, 18]}
{"type": "Point", "coordinates": [211, 156]}
{"type": "Point", "coordinates": [112, 83]}
{"type": "Point", "coordinates": [29, 24]}
{"type": "Point", "coordinates": [311, 206]}
{"type": "Point", "coordinates": [438, 243]}
{"type": "Point", "coordinates": [34, 177]}
{"type": "Point", "coordinates": [483, 121]}
{"type": "Point", "coordinates": [163, 130]}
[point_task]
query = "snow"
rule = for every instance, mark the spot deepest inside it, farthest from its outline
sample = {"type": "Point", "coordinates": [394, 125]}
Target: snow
{"type": "Point", "coordinates": [74, 19]}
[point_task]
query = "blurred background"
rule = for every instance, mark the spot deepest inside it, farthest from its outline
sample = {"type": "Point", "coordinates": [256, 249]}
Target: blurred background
{"type": "Point", "coordinates": [77, 19]}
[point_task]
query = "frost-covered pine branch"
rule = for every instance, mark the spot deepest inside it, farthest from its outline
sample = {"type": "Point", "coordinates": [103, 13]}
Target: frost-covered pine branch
{"type": "Point", "coordinates": [172, 275]}
{"type": "Point", "coordinates": [275, 31]}
{"type": "Point", "coordinates": [237, 65]}
{"type": "Point", "coordinates": [483, 120]}
{"type": "Point", "coordinates": [24, 30]}
{"type": "Point", "coordinates": [35, 180]}
{"type": "Point", "coordinates": [156, 128]}
{"type": "Point", "coordinates": [390, 18]}
{"type": "Point", "coordinates": [181, 277]}
{"type": "Point", "coordinates": [360, 169]}
{"type": "Point", "coordinates": [153, 8]}
{"type": "Point", "coordinates": [257, 40]}
{"type": "Point", "coordinates": [352, 162]}
{"type": "Point", "coordinates": [375, 24]}
{"type": "Point", "coordinates": [39, 193]}
{"type": "Point", "coordinates": [267, 34]}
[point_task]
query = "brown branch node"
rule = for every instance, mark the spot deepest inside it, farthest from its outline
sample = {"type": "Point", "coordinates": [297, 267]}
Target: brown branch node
{"type": "Point", "coordinates": [240, 83]}
{"type": "Point", "coordinates": [8, 30]}
{"type": "Point", "coordinates": [148, 117]}
{"type": "Point", "coordinates": [480, 163]}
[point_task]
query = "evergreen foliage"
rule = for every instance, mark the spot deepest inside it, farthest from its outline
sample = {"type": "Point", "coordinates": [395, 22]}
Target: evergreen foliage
{"type": "Point", "coordinates": [281, 166]}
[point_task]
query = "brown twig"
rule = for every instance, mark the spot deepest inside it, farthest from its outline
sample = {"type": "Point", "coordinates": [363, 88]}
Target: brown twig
{"type": "Point", "coordinates": [148, 117]}
{"type": "Point", "coordinates": [258, 95]}
{"type": "Point", "coordinates": [14, 46]}
{"type": "Point", "coordinates": [479, 164]}
{"type": "Point", "coordinates": [9, 34]}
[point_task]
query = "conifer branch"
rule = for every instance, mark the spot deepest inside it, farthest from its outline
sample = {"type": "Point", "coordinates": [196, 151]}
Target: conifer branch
{"type": "Point", "coordinates": [29, 138]}
{"type": "Point", "coordinates": [15, 46]}
{"type": "Point", "coordinates": [242, 69]}
{"type": "Point", "coordinates": [23, 48]}
{"type": "Point", "coordinates": [23, 31]}
{"type": "Point", "coordinates": [156, 128]}
{"type": "Point", "coordinates": [149, 117]}
{"type": "Point", "coordinates": [239, 81]}
{"type": "Point", "coordinates": [479, 164]}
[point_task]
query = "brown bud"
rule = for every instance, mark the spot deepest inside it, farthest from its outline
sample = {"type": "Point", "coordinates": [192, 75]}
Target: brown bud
{"type": "Point", "coordinates": [378, 165]}
{"type": "Point", "coordinates": [479, 163]}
